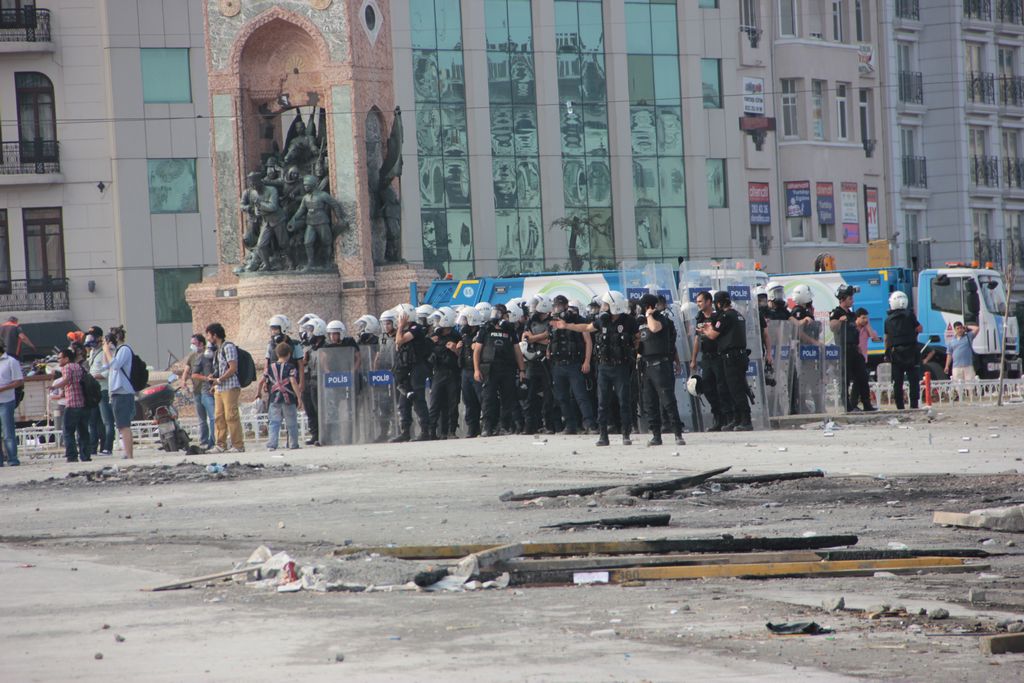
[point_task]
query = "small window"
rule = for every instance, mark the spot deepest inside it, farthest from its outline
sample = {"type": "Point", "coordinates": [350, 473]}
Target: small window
{"type": "Point", "coordinates": [797, 227]}
{"type": "Point", "coordinates": [790, 113]}
{"type": "Point", "coordinates": [818, 109]}
{"type": "Point", "coordinates": [172, 186]}
{"type": "Point", "coordinates": [717, 194]}
{"type": "Point", "coordinates": [837, 20]}
{"type": "Point", "coordinates": [169, 292]}
{"type": "Point", "coordinates": [865, 115]}
{"type": "Point", "coordinates": [44, 249]}
{"type": "Point", "coordinates": [165, 75]}
{"type": "Point", "coordinates": [711, 82]}
{"type": "Point", "coordinates": [787, 18]}
{"type": "Point", "coordinates": [37, 118]}
{"type": "Point", "coordinates": [842, 113]}
{"type": "Point", "coordinates": [708, 4]}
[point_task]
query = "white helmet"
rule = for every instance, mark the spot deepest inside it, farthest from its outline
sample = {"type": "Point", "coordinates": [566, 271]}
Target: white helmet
{"type": "Point", "coordinates": [542, 303]}
{"type": "Point", "coordinates": [424, 312]}
{"type": "Point", "coordinates": [898, 301]}
{"type": "Point", "coordinates": [485, 309]}
{"type": "Point", "coordinates": [802, 295]}
{"type": "Point", "coordinates": [405, 309]}
{"type": "Point", "coordinates": [775, 290]}
{"type": "Point", "coordinates": [574, 304]}
{"type": "Point", "coordinates": [337, 326]}
{"type": "Point", "coordinates": [446, 317]}
{"type": "Point", "coordinates": [390, 315]}
{"type": "Point", "coordinates": [617, 303]}
{"type": "Point", "coordinates": [470, 317]}
{"type": "Point", "coordinates": [693, 386]}
{"type": "Point", "coordinates": [319, 327]}
{"type": "Point", "coordinates": [516, 309]}
{"type": "Point", "coordinates": [306, 318]}
{"type": "Point", "coordinates": [280, 321]}
{"type": "Point", "coordinates": [760, 290]}
{"type": "Point", "coordinates": [367, 324]}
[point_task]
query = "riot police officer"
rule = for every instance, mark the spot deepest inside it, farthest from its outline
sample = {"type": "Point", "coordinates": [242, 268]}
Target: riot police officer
{"type": "Point", "coordinates": [570, 354]}
{"type": "Point", "coordinates": [469, 324]}
{"type": "Point", "coordinates": [712, 374]}
{"type": "Point", "coordinates": [413, 350]}
{"type": "Point", "coordinates": [809, 378]}
{"type": "Point", "coordinates": [776, 305]}
{"type": "Point", "coordinates": [901, 330]}
{"type": "Point", "coordinates": [658, 353]}
{"type": "Point", "coordinates": [496, 355]}
{"type": "Point", "coordinates": [729, 329]}
{"type": "Point", "coordinates": [378, 402]}
{"type": "Point", "coordinates": [445, 380]}
{"type": "Point", "coordinates": [842, 322]}
{"type": "Point", "coordinates": [536, 338]}
{"type": "Point", "coordinates": [614, 331]}
{"type": "Point", "coordinates": [313, 333]}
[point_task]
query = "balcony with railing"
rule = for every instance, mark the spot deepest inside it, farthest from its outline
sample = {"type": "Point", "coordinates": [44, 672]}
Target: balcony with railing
{"type": "Point", "coordinates": [1011, 91]}
{"type": "Point", "coordinates": [979, 10]}
{"type": "Point", "coordinates": [1013, 172]}
{"type": "Point", "coordinates": [1010, 12]}
{"type": "Point", "coordinates": [915, 172]}
{"type": "Point", "coordinates": [24, 25]}
{"type": "Point", "coordinates": [981, 87]}
{"type": "Point", "coordinates": [911, 87]}
{"type": "Point", "coordinates": [37, 294]}
{"type": "Point", "coordinates": [988, 251]}
{"type": "Point", "coordinates": [908, 9]}
{"type": "Point", "coordinates": [22, 160]}
{"type": "Point", "coordinates": [985, 171]}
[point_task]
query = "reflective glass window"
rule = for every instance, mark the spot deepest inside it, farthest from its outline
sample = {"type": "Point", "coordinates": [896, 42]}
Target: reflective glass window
{"type": "Point", "coordinates": [165, 75]}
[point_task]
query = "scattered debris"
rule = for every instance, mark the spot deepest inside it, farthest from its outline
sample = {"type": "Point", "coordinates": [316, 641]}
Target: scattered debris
{"type": "Point", "coordinates": [834, 604]}
{"type": "Point", "coordinates": [152, 475]}
{"type": "Point", "coordinates": [799, 628]}
{"type": "Point", "coordinates": [119, 638]}
{"type": "Point", "coordinates": [997, 645]}
{"type": "Point", "coordinates": [938, 614]}
{"type": "Point", "coordinates": [615, 522]}
{"type": "Point", "coordinates": [995, 519]}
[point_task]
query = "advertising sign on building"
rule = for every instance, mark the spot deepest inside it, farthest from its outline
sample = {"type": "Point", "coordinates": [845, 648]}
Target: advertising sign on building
{"type": "Point", "coordinates": [798, 198]}
{"type": "Point", "coordinates": [866, 59]}
{"type": "Point", "coordinates": [753, 96]}
{"type": "Point", "coordinates": [848, 213]}
{"type": "Point", "coordinates": [871, 211]}
{"type": "Point", "coordinates": [760, 203]}
{"type": "Point", "coordinates": [826, 203]}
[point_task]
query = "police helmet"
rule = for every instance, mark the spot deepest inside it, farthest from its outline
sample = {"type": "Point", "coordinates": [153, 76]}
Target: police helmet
{"type": "Point", "coordinates": [802, 295]}
{"type": "Point", "coordinates": [485, 309]}
{"type": "Point", "coordinates": [617, 303]}
{"type": "Point", "coordinates": [319, 328]}
{"type": "Point", "coordinates": [306, 318]}
{"type": "Point", "coordinates": [281, 321]}
{"type": "Point", "coordinates": [424, 312]}
{"type": "Point", "coordinates": [575, 305]}
{"type": "Point", "coordinates": [542, 303]}
{"type": "Point", "coordinates": [367, 324]}
{"type": "Point", "coordinates": [775, 290]}
{"type": "Point", "coordinates": [898, 301]}
{"type": "Point", "coordinates": [843, 291]}
{"type": "Point", "coordinates": [470, 317]}
{"type": "Point", "coordinates": [389, 316]}
{"type": "Point", "coordinates": [337, 326]}
{"type": "Point", "coordinates": [693, 385]}
{"type": "Point", "coordinates": [446, 317]}
{"type": "Point", "coordinates": [405, 309]}
{"type": "Point", "coordinates": [516, 309]}
{"type": "Point", "coordinates": [760, 291]}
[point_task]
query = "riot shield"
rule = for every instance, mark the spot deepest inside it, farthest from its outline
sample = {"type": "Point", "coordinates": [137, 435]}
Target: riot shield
{"type": "Point", "coordinates": [375, 394]}
{"type": "Point", "coordinates": [337, 395]}
{"type": "Point", "coordinates": [836, 387]}
{"type": "Point", "coordinates": [739, 278]}
{"type": "Point", "coordinates": [700, 409]}
{"type": "Point", "coordinates": [781, 353]}
{"type": "Point", "coordinates": [640, 278]}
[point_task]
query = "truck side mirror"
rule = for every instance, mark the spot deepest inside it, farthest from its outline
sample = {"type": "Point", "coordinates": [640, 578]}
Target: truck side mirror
{"type": "Point", "coordinates": [992, 284]}
{"type": "Point", "coordinates": [934, 338]}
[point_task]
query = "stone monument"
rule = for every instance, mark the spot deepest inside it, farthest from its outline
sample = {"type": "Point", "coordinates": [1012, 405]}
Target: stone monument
{"type": "Point", "coordinates": [306, 166]}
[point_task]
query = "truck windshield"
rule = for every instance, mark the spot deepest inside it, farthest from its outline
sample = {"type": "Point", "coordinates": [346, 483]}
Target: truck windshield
{"type": "Point", "coordinates": [993, 294]}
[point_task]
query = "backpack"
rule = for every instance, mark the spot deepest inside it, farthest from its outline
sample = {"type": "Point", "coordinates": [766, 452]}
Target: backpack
{"type": "Point", "coordinates": [138, 377]}
{"type": "Point", "coordinates": [90, 390]}
{"type": "Point", "coordinates": [246, 370]}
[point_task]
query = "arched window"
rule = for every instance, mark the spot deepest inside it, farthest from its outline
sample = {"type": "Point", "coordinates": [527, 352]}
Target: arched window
{"type": "Point", "coordinates": [37, 119]}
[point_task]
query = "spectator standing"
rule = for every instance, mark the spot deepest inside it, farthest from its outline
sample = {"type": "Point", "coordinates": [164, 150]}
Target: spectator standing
{"type": "Point", "coordinates": [960, 354]}
{"type": "Point", "coordinates": [226, 390]}
{"type": "Point", "coordinates": [282, 383]}
{"type": "Point", "coordinates": [196, 378]}
{"type": "Point", "coordinates": [75, 447]}
{"type": "Point", "coordinates": [101, 431]}
{"type": "Point", "coordinates": [866, 332]}
{"type": "Point", "coordinates": [13, 337]}
{"type": "Point", "coordinates": [118, 365]}
{"type": "Point", "coordinates": [10, 379]}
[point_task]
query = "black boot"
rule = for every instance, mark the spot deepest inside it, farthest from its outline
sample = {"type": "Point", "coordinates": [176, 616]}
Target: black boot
{"type": "Point", "coordinates": [655, 439]}
{"type": "Point", "coordinates": [680, 441]}
{"type": "Point", "coordinates": [716, 424]}
{"type": "Point", "coordinates": [603, 439]}
{"type": "Point", "coordinates": [730, 423]}
{"type": "Point", "coordinates": [402, 436]}
{"type": "Point", "coordinates": [744, 425]}
{"type": "Point", "coordinates": [626, 441]}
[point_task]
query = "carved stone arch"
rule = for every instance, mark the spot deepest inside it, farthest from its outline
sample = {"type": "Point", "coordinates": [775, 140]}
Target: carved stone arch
{"type": "Point", "coordinates": [277, 14]}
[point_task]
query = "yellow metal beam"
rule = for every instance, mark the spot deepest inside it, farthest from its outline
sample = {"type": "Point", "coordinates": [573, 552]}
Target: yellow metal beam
{"type": "Point", "coordinates": [823, 567]}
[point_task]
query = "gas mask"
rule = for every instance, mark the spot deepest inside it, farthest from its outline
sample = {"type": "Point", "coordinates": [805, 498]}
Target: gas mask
{"type": "Point", "coordinates": [277, 339]}
{"type": "Point", "coordinates": [191, 347]}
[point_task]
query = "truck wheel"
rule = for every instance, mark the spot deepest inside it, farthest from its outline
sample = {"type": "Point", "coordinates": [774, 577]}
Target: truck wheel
{"type": "Point", "coordinates": [938, 373]}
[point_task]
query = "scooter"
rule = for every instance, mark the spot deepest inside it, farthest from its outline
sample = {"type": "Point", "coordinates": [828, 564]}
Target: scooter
{"type": "Point", "coordinates": [158, 402]}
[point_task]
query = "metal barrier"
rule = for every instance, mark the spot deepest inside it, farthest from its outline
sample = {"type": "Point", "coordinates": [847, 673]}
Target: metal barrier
{"type": "Point", "coordinates": [979, 391]}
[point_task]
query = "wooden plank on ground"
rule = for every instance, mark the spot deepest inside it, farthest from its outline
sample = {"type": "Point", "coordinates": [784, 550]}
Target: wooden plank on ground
{"type": "Point", "coordinates": [620, 561]}
{"type": "Point", "coordinates": [1001, 644]}
{"type": "Point", "coordinates": [201, 579]}
{"type": "Point", "coordinates": [474, 563]}
{"type": "Point", "coordinates": [615, 522]}
{"type": "Point", "coordinates": [780, 569]}
{"type": "Point", "coordinates": [558, 493]}
{"type": "Point", "coordinates": [684, 545]}
{"type": "Point", "coordinates": [997, 519]}
{"type": "Point", "coordinates": [675, 484]}
{"type": "Point", "coordinates": [768, 478]}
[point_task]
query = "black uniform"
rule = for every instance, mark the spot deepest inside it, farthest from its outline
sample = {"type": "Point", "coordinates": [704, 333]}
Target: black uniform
{"type": "Point", "coordinates": [613, 346]}
{"type": "Point", "coordinates": [732, 343]}
{"type": "Point", "coordinates": [808, 379]}
{"type": "Point", "coordinates": [444, 384]}
{"type": "Point", "coordinates": [712, 377]}
{"type": "Point", "coordinates": [539, 398]}
{"type": "Point", "coordinates": [499, 392]}
{"type": "Point", "coordinates": [411, 370]}
{"type": "Point", "coordinates": [856, 366]}
{"type": "Point", "coordinates": [659, 389]}
{"type": "Point", "coordinates": [901, 343]}
{"type": "Point", "coordinates": [309, 390]}
{"type": "Point", "coordinates": [471, 389]}
{"type": "Point", "coordinates": [567, 350]}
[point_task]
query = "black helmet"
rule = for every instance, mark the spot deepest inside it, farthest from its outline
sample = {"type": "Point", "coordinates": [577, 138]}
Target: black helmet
{"type": "Point", "coordinates": [722, 298]}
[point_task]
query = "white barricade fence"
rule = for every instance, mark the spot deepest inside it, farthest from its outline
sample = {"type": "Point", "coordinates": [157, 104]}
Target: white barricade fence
{"type": "Point", "coordinates": [979, 391]}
